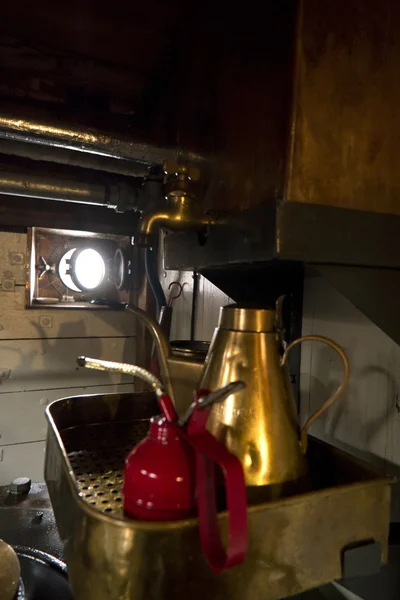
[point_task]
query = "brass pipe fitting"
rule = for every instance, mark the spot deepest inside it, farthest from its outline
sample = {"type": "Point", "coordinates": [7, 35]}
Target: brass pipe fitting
{"type": "Point", "coordinates": [182, 213]}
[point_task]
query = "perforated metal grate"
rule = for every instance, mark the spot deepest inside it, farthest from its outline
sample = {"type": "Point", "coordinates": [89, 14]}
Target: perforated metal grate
{"type": "Point", "coordinates": [97, 454]}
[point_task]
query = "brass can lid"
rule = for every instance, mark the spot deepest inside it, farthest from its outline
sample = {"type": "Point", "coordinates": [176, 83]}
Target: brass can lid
{"type": "Point", "coordinates": [240, 318]}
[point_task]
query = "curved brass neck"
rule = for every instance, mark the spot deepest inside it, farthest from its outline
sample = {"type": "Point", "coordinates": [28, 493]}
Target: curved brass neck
{"type": "Point", "coordinates": [161, 343]}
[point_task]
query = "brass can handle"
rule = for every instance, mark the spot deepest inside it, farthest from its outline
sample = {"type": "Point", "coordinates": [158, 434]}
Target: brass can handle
{"type": "Point", "coordinates": [338, 392]}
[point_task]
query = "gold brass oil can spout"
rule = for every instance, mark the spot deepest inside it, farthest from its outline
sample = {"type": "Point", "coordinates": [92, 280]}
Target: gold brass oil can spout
{"type": "Point", "coordinates": [182, 211]}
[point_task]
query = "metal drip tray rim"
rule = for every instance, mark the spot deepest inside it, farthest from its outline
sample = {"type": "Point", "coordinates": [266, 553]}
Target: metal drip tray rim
{"type": "Point", "coordinates": [79, 479]}
{"type": "Point", "coordinates": [112, 557]}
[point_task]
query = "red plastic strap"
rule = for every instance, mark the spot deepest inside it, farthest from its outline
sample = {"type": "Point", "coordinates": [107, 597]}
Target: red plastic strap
{"type": "Point", "coordinates": [208, 453]}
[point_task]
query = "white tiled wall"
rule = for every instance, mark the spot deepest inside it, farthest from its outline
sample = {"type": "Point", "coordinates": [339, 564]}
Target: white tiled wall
{"type": "Point", "coordinates": [38, 351]}
{"type": "Point", "coordinates": [367, 416]}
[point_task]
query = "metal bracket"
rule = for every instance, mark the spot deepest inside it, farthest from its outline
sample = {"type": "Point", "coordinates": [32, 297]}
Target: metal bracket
{"type": "Point", "coordinates": [361, 560]}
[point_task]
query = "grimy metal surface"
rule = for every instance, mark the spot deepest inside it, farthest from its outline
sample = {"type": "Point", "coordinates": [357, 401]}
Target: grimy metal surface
{"type": "Point", "coordinates": [327, 135]}
{"type": "Point", "coordinates": [24, 124]}
{"type": "Point", "coordinates": [331, 235]}
{"type": "Point", "coordinates": [345, 127]}
{"type": "Point", "coordinates": [291, 231]}
{"type": "Point", "coordinates": [52, 188]}
{"type": "Point", "coordinates": [28, 520]}
{"type": "Point", "coordinates": [40, 152]}
{"type": "Point", "coordinates": [295, 543]}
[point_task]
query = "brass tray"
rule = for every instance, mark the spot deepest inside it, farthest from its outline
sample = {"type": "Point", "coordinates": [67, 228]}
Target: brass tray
{"type": "Point", "coordinates": [296, 543]}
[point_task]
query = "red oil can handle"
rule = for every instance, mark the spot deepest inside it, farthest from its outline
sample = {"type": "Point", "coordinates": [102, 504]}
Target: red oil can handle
{"type": "Point", "coordinates": [210, 452]}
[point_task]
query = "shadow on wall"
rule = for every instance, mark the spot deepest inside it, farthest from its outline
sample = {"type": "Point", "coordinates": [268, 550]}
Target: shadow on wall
{"type": "Point", "coordinates": [56, 363]}
{"type": "Point", "coordinates": [328, 372]}
{"type": "Point", "coordinates": [352, 419]}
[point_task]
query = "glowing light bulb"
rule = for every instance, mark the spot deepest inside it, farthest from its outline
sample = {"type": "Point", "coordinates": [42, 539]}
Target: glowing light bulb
{"type": "Point", "coordinates": [63, 271]}
{"type": "Point", "coordinates": [90, 268]}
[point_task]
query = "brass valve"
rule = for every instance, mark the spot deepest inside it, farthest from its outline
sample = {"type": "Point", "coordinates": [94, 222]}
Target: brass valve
{"type": "Point", "coordinates": [179, 179]}
{"type": "Point", "coordinates": [172, 167]}
{"type": "Point", "coordinates": [182, 211]}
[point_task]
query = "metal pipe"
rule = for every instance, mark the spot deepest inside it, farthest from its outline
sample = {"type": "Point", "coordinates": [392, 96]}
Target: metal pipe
{"type": "Point", "coordinates": [18, 125]}
{"type": "Point", "coordinates": [40, 152]}
{"type": "Point", "coordinates": [51, 188]}
{"type": "Point", "coordinates": [121, 197]}
{"type": "Point", "coordinates": [161, 343]}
